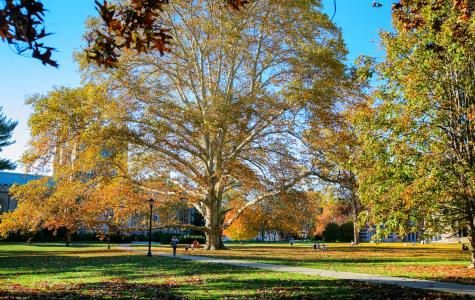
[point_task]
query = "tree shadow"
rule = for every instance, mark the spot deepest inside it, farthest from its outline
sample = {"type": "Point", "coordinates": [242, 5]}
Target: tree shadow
{"type": "Point", "coordinates": [226, 287]}
{"type": "Point", "coordinates": [310, 261]}
{"type": "Point", "coordinates": [124, 276]}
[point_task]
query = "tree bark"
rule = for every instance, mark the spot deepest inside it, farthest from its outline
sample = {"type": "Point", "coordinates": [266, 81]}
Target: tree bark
{"type": "Point", "coordinates": [68, 238]}
{"type": "Point", "coordinates": [214, 240]}
{"type": "Point", "coordinates": [471, 239]}
{"type": "Point", "coordinates": [356, 234]}
{"type": "Point", "coordinates": [213, 228]}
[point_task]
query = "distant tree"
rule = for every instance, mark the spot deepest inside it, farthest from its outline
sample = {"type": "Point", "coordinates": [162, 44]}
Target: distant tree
{"type": "Point", "coordinates": [6, 130]}
{"type": "Point", "coordinates": [331, 233]}
{"type": "Point", "coordinates": [330, 211]}
{"type": "Point", "coordinates": [336, 149]}
{"type": "Point", "coordinates": [346, 232]}
{"type": "Point", "coordinates": [246, 226]}
{"type": "Point", "coordinates": [292, 212]}
{"type": "Point", "coordinates": [87, 185]}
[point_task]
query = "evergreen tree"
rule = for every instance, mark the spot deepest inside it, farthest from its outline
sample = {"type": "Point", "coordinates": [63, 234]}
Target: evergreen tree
{"type": "Point", "coordinates": [6, 129]}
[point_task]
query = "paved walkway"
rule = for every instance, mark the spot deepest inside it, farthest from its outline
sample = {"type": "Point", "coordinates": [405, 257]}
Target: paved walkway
{"type": "Point", "coordinates": [463, 289]}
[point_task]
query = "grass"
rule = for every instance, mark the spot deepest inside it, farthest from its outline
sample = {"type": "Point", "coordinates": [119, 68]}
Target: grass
{"type": "Point", "coordinates": [82, 271]}
{"type": "Point", "coordinates": [442, 262]}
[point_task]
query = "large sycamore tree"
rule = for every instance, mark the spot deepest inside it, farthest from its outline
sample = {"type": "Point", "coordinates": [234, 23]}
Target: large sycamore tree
{"type": "Point", "coordinates": [419, 132]}
{"type": "Point", "coordinates": [226, 109]}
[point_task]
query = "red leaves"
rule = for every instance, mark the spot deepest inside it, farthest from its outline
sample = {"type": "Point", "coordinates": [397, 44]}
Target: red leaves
{"type": "Point", "coordinates": [135, 27]}
{"type": "Point", "coordinates": [21, 26]}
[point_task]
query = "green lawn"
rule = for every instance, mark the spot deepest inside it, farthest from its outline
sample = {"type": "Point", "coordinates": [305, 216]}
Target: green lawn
{"type": "Point", "coordinates": [52, 271]}
{"type": "Point", "coordinates": [441, 262]}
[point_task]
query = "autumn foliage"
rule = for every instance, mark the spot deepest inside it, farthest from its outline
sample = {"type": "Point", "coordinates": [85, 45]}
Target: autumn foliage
{"type": "Point", "coordinates": [246, 226]}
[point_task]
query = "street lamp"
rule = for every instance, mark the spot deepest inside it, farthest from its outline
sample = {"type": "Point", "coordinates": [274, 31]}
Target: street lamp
{"type": "Point", "coordinates": [150, 228]}
{"type": "Point", "coordinates": [109, 216]}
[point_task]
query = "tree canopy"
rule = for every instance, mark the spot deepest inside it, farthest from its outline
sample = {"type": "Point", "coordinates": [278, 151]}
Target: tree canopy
{"type": "Point", "coordinates": [418, 130]}
{"type": "Point", "coordinates": [226, 112]}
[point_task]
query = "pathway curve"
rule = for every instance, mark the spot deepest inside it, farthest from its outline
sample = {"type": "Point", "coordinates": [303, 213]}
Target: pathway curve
{"type": "Point", "coordinates": [463, 289]}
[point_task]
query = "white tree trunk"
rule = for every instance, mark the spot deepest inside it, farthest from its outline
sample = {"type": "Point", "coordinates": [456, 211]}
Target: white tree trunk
{"type": "Point", "coordinates": [213, 225]}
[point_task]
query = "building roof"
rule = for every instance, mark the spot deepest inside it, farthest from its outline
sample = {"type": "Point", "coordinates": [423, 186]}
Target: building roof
{"type": "Point", "coordinates": [9, 178]}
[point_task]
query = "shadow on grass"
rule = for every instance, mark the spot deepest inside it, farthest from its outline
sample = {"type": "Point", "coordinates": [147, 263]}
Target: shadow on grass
{"type": "Point", "coordinates": [324, 260]}
{"type": "Point", "coordinates": [356, 249]}
{"type": "Point", "coordinates": [223, 287]}
{"type": "Point", "coordinates": [63, 275]}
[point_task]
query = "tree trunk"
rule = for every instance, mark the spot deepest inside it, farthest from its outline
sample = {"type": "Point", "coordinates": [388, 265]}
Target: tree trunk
{"type": "Point", "coordinates": [68, 238]}
{"type": "Point", "coordinates": [356, 234]}
{"type": "Point", "coordinates": [214, 240]}
{"type": "Point", "coordinates": [471, 239]}
{"type": "Point", "coordinates": [214, 230]}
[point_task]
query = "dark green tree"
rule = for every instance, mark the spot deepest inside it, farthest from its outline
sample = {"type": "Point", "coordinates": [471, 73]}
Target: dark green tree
{"type": "Point", "coordinates": [6, 129]}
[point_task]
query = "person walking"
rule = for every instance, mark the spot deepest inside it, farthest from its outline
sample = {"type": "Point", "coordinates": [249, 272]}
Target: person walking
{"type": "Point", "coordinates": [174, 244]}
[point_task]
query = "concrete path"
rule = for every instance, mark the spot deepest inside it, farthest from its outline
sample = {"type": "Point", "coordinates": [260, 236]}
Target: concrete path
{"type": "Point", "coordinates": [462, 289]}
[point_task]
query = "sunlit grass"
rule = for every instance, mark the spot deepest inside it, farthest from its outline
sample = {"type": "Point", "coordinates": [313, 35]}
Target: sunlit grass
{"type": "Point", "coordinates": [443, 262]}
{"type": "Point", "coordinates": [89, 270]}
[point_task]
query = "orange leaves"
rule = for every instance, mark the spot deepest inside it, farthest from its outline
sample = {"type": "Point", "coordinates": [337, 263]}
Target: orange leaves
{"type": "Point", "coordinates": [290, 212]}
{"type": "Point", "coordinates": [465, 7]}
{"type": "Point", "coordinates": [243, 228]}
{"type": "Point", "coordinates": [246, 226]}
{"type": "Point", "coordinates": [137, 28]}
{"type": "Point", "coordinates": [331, 213]}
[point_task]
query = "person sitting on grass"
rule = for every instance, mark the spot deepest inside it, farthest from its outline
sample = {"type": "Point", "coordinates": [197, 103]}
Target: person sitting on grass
{"type": "Point", "coordinates": [195, 244]}
{"type": "Point", "coordinates": [174, 245]}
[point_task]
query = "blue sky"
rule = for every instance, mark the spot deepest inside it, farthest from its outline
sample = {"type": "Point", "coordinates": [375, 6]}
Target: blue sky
{"type": "Point", "coordinates": [23, 76]}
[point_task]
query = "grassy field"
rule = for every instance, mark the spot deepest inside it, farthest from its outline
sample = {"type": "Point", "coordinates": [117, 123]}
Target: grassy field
{"type": "Point", "coordinates": [82, 271]}
{"type": "Point", "coordinates": [443, 262]}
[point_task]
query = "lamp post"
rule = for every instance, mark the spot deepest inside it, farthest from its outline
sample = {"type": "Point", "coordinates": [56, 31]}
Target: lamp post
{"type": "Point", "coordinates": [150, 228]}
{"type": "Point", "coordinates": [109, 216]}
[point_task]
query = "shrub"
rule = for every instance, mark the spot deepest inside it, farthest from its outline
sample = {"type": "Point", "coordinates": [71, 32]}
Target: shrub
{"type": "Point", "coordinates": [163, 237]}
{"type": "Point", "coordinates": [338, 233]}
{"type": "Point", "coordinates": [346, 232]}
{"type": "Point", "coordinates": [84, 236]}
{"type": "Point", "coordinates": [331, 233]}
